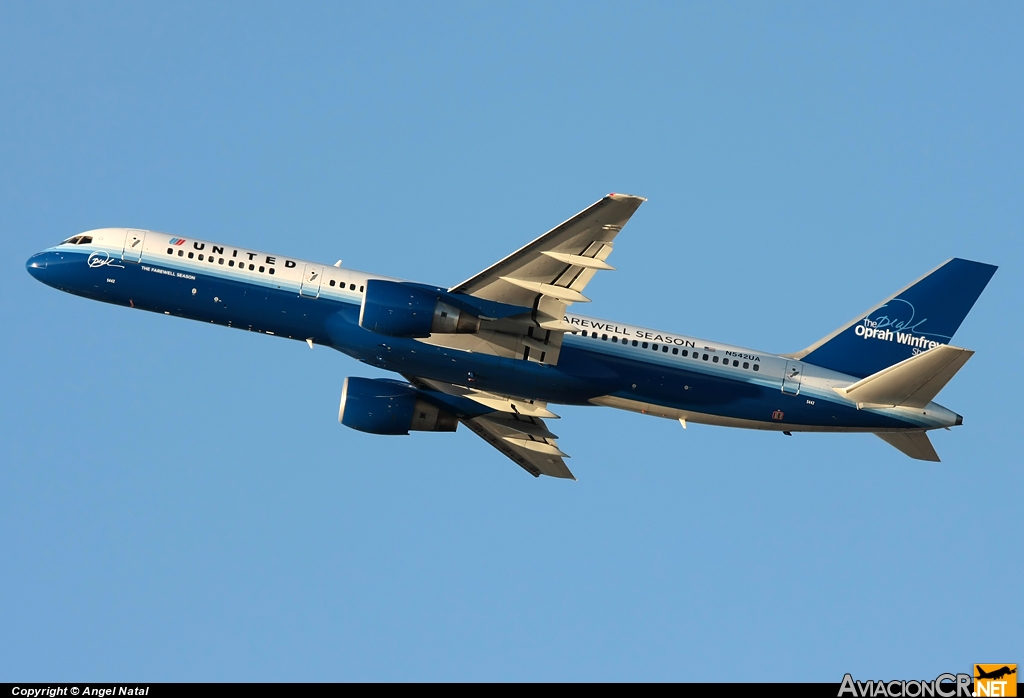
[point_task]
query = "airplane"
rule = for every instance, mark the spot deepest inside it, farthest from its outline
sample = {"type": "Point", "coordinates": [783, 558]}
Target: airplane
{"type": "Point", "coordinates": [996, 674]}
{"type": "Point", "coordinates": [498, 350]}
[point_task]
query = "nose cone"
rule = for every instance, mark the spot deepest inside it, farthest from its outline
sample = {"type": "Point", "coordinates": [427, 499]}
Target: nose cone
{"type": "Point", "coordinates": [36, 265]}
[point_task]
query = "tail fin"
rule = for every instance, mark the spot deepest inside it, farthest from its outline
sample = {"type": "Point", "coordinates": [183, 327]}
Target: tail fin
{"type": "Point", "coordinates": [911, 383]}
{"type": "Point", "coordinates": [914, 443]}
{"type": "Point", "coordinates": [921, 316]}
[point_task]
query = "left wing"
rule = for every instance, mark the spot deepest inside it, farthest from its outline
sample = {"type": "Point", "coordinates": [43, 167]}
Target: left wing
{"type": "Point", "coordinates": [526, 440]}
{"type": "Point", "coordinates": [514, 427]}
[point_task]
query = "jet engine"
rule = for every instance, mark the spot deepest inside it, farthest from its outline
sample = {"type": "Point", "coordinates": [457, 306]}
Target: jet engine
{"type": "Point", "coordinates": [405, 310]}
{"type": "Point", "coordinates": [381, 406]}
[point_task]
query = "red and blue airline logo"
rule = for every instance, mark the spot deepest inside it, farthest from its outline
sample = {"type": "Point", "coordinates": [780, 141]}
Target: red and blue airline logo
{"type": "Point", "coordinates": [177, 241]}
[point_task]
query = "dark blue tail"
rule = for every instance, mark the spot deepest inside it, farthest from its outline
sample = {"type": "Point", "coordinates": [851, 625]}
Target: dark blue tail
{"type": "Point", "coordinates": [925, 313]}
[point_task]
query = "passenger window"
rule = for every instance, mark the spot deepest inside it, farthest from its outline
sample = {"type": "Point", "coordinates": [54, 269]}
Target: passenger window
{"type": "Point", "coordinates": [252, 267]}
{"type": "Point", "coordinates": [360, 289]}
{"type": "Point", "coordinates": [271, 271]}
{"type": "Point", "coordinates": [714, 359]}
{"type": "Point", "coordinates": [685, 353]}
{"type": "Point", "coordinates": [654, 347]}
{"type": "Point", "coordinates": [200, 257]}
{"type": "Point", "coordinates": [181, 253]}
{"type": "Point", "coordinates": [664, 348]}
{"type": "Point", "coordinates": [190, 255]}
{"type": "Point", "coordinates": [262, 269]}
{"type": "Point", "coordinates": [635, 342]}
{"type": "Point", "coordinates": [675, 350]}
{"type": "Point", "coordinates": [746, 364]}
{"type": "Point", "coordinates": [614, 339]}
{"type": "Point", "coordinates": [351, 287]}
{"type": "Point", "coordinates": [584, 333]}
{"type": "Point", "coordinates": [220, 261]}
{"type": "Point", "coordinates": [231, 262]}
{"type": "Point", "coordinates": [332, 282]}
{"type": "Point", "coordinates": [170, 250]}
{"type": "Point", "coordinates": [756, 367]}
{"type": "Point", "coordinates": [735, 363]}
{"type": "Point", "coordinates": [644, 345]}
{"type": "Point", "coordinates": [210, 259]}
{"type": "Point", "coordinates": [604, 337]}
{"type": "Point", "coordinates": [705, 357]}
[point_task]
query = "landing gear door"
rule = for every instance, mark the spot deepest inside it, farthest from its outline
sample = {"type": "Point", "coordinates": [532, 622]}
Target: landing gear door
{"type": "Point", "coordinates": [133, 243]}
{"type": "Point", "coordinates": [792, 377]}
{"type": "Point", "coordinates": [310, 286]}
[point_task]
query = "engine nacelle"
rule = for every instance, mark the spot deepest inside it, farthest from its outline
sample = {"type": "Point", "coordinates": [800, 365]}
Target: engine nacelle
{"type": "Point", "coordinates": [404, 310]}
{"type": "Point", "coordinates": [380, 406]}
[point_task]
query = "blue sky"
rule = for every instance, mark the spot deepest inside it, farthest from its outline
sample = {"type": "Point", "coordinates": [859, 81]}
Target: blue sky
{"type": "Point", "coordinates": [180, 502]}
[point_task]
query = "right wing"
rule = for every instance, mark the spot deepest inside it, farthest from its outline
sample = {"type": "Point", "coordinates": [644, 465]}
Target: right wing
{"type": "Point", "coordinates": [559, 263]}
{"type": "Point", "coordinates": [544, 276]}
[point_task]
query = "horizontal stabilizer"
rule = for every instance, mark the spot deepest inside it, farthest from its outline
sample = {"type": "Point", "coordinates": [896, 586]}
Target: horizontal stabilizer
{"type": "Point", "coordinates": [913, 382]}
{"type": "Point", "coordinates": [914, 443]}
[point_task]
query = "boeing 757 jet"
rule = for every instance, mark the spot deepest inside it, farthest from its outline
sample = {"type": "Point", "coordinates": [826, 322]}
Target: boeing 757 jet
{"type": "Point", "coordinates": [499, 350]}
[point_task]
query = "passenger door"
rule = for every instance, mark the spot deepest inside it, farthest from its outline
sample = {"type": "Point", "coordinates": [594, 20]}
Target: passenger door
{"type": "Point", "coordinates": [311, 276]}
{"type": "Point", "coordinates": [792, 377]}
{"type": "Point", "coordinates": [133, 243]}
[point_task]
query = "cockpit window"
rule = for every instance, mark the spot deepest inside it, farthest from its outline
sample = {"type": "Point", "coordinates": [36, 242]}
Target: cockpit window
{"type": "Point", "coordinates": [78, 240]}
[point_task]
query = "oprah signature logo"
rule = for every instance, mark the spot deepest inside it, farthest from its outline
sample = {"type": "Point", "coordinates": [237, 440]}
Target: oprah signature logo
{"type": "Point", "coordinates": [99, 258]}
{"type": "Point", "coordinates": [900, 317]}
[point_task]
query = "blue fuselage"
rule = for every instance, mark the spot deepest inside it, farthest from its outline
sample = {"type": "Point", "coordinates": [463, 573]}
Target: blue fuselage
{"type": "Point", "coordinates": [601, 363]}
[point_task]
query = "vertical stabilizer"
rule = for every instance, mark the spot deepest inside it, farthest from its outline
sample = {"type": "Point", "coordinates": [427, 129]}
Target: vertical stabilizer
{"type": "Point", "coordinates": [925, 314]}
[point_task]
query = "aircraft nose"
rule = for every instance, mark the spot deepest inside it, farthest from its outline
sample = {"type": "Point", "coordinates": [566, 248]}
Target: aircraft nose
{"type": "Point", "coordinates": [36, 265]}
